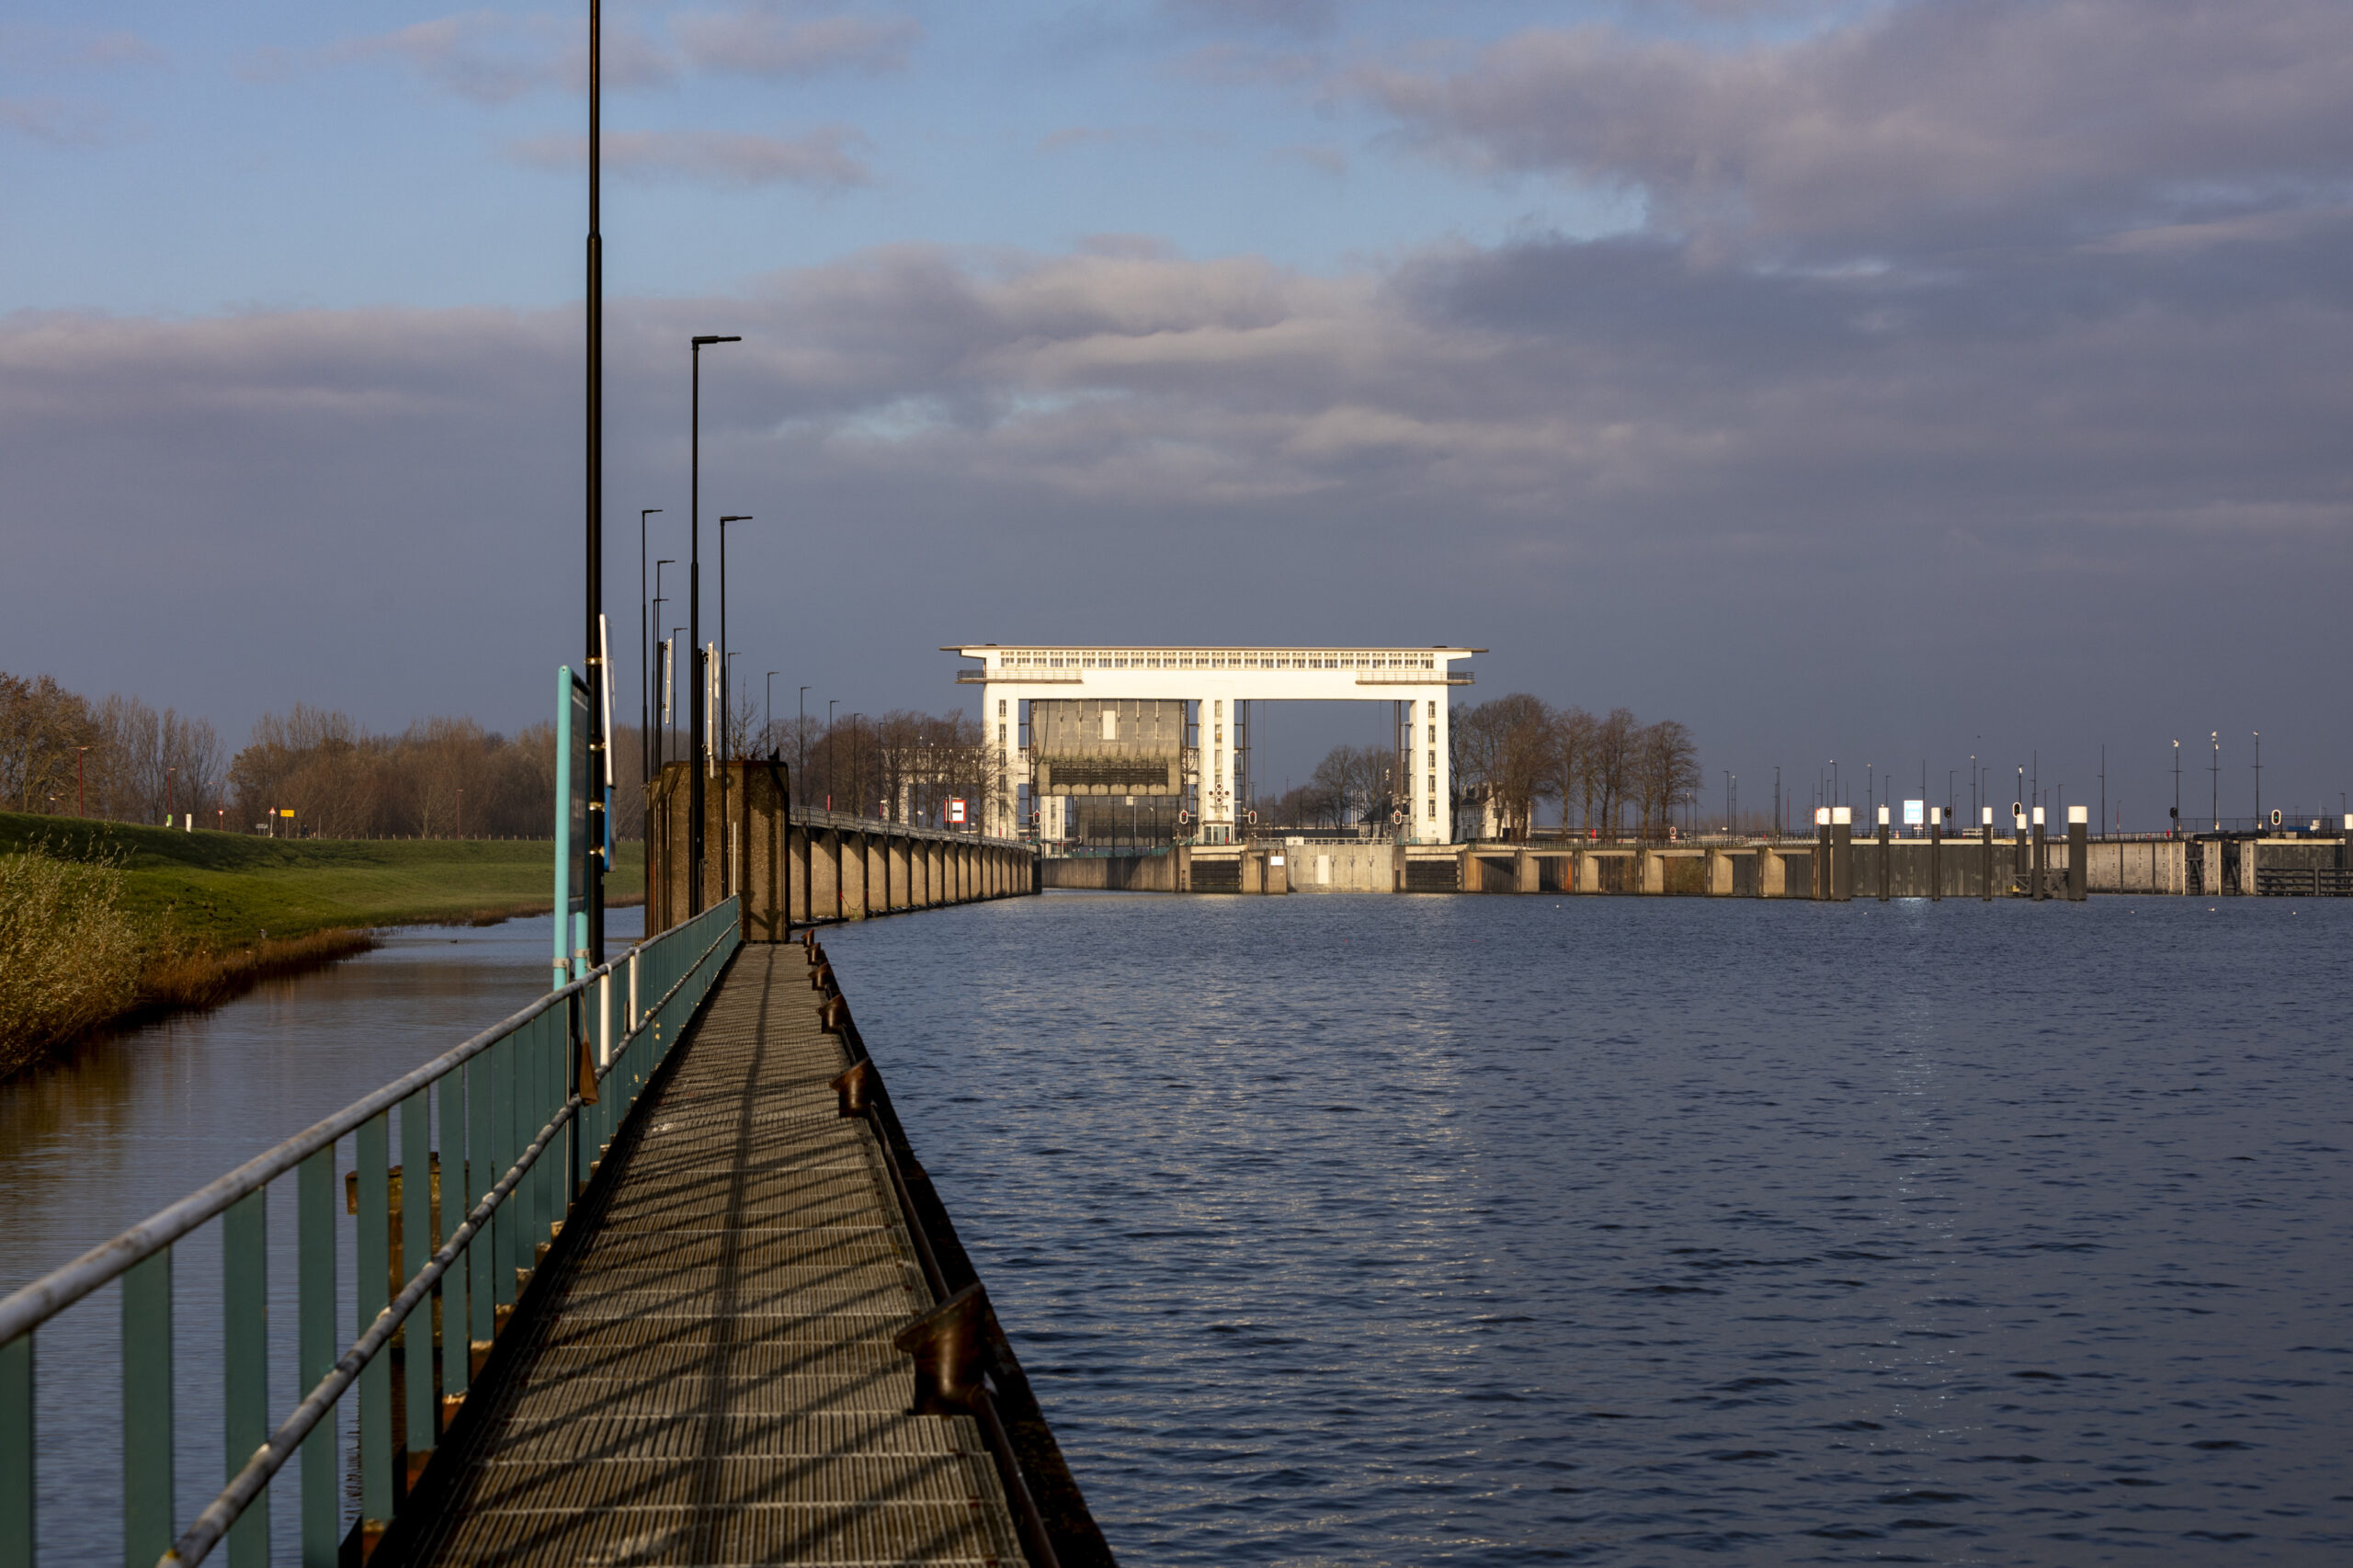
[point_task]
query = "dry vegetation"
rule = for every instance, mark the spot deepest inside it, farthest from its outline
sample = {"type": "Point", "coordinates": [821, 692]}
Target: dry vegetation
{"type": "Point", "coordinates": [71, 954]}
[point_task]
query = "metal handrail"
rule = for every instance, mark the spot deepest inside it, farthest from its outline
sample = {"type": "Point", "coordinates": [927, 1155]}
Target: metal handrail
{"type": "Point", "coordinates": [26, 1309]}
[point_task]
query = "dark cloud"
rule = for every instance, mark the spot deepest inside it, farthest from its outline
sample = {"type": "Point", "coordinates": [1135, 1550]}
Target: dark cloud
{"type": "Point", "coordinates": [1953, 125]}
{"type": "Point", "coordinates": [2108, 481]}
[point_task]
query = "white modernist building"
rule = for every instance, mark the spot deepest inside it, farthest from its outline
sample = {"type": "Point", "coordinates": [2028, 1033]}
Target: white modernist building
{"type": "Point", "coordinates": [1205, 689]}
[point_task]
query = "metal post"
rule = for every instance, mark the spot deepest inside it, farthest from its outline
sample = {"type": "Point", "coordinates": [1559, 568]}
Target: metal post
{"type": "Point", "coordinates": [416, 1250]}
{"type": "Point", "coordinates": [594, 862]}
{"type": "Point", "coordinates": [244, 1362]}
{"type": "Point", "coordinates": [645, 646]}
{"type": "Point", "coordinates": [1936, 849]}
{"type": "Point", "coordinates": [1986, 840]}
{"type": "Point", "coordinates": [1885, 856]}
{"type": "Point", "coordinates": [316, 1350]}
{"type": "Point", "coordinates": [147, 1425]}
{"type": "Point", "coordinates": [2042, 857]}
{"type": "Point", "coordinates": [17, 1537]}
{"type": "Point", "coordinates": [370, 1292]}
{"type": "Point", "coordinates": [2078, 857]}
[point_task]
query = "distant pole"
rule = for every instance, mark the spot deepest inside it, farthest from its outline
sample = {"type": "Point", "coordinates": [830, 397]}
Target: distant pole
{"type": "Point", "coordinates": [654, 666]}
{"type": "Point", "coordinates": [767, 732]}
{"type": "Point", "coordinates": [830, 701]}
{"type": "Point", "coordinates": [2177, 787]}
{"type": "Point", "coordinates": [2103, 788]}
{"type": "Point", "coordinates": [694, 620]}
{"type": "Point", "coordinates": [2214, 771]}
{"type": "Point", "coordinates": [2258, 782]}
{"type": "Point", "coordinates": [801, 738]}
{"type": "Point", "coordinates": [645, 671]}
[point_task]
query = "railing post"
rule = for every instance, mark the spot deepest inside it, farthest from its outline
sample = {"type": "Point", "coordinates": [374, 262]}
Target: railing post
{"type": "Point", "coordinates": [147, 1429]}
{"type": "Point", "coordinates": [314, 1198]}
{"type": "Point", "coordinates": [417, 1249]}
{"type": "Point", "coordinates": [370, 1292]}
{"type": "Point", "coordinates": [244, 1362]}
{"type": "Point", "coordinates": [17, 1537]}
{"type": "Point", "coordinates": [457, 1185]}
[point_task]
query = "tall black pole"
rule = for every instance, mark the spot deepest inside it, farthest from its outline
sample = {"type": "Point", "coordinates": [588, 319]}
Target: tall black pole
{"type": "Point", "coordinates": [724, 744]}
{"type": "Point", "coordinates": [694, 635]}
{"type": "Point", "coordinates": [645, 672]}
{"type": "Point", "coordinates": [598, 740]}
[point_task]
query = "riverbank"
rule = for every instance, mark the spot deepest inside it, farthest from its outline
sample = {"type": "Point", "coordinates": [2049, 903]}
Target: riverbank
{"type": "Point", "coordinates": [102, 922]}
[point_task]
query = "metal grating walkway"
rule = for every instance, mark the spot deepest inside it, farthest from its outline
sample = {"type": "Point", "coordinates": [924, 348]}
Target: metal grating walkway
{"type": "Point", "coordinates": [712, 1381]}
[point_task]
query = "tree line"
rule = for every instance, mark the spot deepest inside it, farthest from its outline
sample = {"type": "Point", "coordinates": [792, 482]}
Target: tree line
{"type": "Point", "coordinates": [63, 753]}
{"type": "Point", "coordinates": [1507, 756]}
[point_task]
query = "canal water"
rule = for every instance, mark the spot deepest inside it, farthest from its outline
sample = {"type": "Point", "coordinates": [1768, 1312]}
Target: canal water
{"type": "Point", "coordinates": [1495, 1230]}
{"type": "Point", "coordinates": [1523, 1229]}
{"type": "Point", "coordinates": [96, 1142]}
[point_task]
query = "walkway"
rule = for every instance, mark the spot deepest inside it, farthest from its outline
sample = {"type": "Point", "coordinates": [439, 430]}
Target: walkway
{"type": "Point", "coordinates": [714, 1380]}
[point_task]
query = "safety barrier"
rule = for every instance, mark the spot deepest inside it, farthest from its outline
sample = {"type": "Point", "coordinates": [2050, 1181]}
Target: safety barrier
{"type": "Point", "coordinates": [562, 1075]}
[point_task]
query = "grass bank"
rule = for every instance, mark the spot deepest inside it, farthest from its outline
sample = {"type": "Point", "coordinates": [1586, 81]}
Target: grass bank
{"type": "Point", "coordinates": [102, 922]}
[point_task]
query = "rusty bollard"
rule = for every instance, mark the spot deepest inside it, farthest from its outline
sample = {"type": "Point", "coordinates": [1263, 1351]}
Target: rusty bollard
{"type": "Point", "coordinates": [834, 1017]}
{"type": "Point", "coordinates": [854, 1088]}
{"type": "Point", "coordinates": [950, 1344]}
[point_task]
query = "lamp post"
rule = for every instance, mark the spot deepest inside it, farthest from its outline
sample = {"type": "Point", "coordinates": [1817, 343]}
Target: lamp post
{"type": "Point", "coordinates": [654, 665]}
{"type": "Point", "coordinates": [2259, 783]}
{"type": "Point", "coordinates": [593, 895]}
{"type": "Point", "coordinates": [694, 619]}
{"type": "Point", "coordinates": [830, 701]}
{"type": "Point", "coordinates": [645, 673]}
{"type": "Point", "coordinates": [726, 689]}
{"type": "Point", "coordinates": [768, 730]}
{"type": "Point", "coordinates": [801, 738]}
{"type": "Point", "coordinates": [2215, 770]}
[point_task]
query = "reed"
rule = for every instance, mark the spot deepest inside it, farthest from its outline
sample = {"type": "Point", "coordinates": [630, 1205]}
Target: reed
{"type": "Point", "coordinates": [71, 955]}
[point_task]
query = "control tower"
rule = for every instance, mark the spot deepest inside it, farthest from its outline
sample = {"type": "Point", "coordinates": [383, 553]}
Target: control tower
{"type": "Point", "coordinates": [1093, 734]}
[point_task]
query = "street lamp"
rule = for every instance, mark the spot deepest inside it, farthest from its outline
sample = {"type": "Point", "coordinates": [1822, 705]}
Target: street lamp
{"type": "Point", "coordinates": [801, 741]}
{"type": "Point", "coordinates": [726, 690]}
{"type": "Point", "coordinates": [830, 701]}
{"type": "Point", "coordinates": [653, 662]}
{"type": "Point", "coordinates": [768, 730]}
{"type": "Point", "coordinates": [694, 620]}
{"type": "Point", "coordinates": [645, 673]}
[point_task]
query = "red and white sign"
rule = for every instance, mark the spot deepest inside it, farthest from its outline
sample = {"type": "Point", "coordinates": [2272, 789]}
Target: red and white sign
{"type": "Point", "coordinates": [955, 809]}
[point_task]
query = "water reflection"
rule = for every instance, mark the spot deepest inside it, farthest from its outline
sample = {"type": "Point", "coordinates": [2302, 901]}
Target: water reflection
{"type": "Point", "coordinates": [96, 1142]}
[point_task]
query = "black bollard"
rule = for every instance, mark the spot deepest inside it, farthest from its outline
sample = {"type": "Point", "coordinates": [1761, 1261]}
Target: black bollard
{"type": "Point", "coordinates": [1884, 856]}
{"type": "Point", "coordinates": [1986, 839]}
{"type": "Point", "coordinates": [2079, 869]}
{"type": "Point", "coordinates": [2042, 856]}
{"type": "Point", "coordinates": [1822, 887]}
{"type": "Point", "coordinates": [1842, 853]}
{"type": "Point", "coordinates": [1935, 854]}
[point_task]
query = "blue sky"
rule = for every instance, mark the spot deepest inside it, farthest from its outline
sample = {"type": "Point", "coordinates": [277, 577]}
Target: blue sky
{"type": "Point", "coordinates": [282, 155]}
{"type": "Point", "coordinates": [1845, 380]}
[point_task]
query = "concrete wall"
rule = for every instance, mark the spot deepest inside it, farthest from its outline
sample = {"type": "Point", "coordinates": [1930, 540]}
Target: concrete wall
{"type": "Point", "coordinates": [1112, 873]}
{"type": "Point", "coordinates": [1346, 867]}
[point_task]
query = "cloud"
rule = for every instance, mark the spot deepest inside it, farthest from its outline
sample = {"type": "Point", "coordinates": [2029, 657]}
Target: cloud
{"type": "Point", "coordinates": [55, 123]}
{"type": "Point", "coordinates": [480, 56]}
{"type": "Point", "coordinates": [1747, 496]}
{"type": "Point", "coordinates": [826, 158]}
{"type": "Point", "coordinates": [1919, 126]}
{"type": "Point", "coordinates": [769, 40]}
{"type": "Point", "coordinates": [1295, 17]}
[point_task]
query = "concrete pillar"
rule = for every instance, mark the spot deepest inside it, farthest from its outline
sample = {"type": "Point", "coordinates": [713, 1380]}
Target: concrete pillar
{"type": "Point", "coordinates": [1772, 874]}
{"type": "Point", "coordinates": [1718, 874]}
{"type": "Point", "coordinates": [1468, 876]}
{"type": "Point", "coordinates": [1525, 877]}
{"type": "Point", "coordinates": [2042, 857]}
{"type": "Point", "coordinates": [1842, 853]}
{"type": "Point", "coordinates": [1936, 853]}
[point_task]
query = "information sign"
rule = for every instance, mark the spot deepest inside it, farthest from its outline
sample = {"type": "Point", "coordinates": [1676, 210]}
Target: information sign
{"type": "Point", "coordinates": [1915, 813]}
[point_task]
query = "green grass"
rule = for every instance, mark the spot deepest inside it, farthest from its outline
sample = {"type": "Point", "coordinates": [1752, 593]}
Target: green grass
{"type": "Point", "coordinates": [223, 890]}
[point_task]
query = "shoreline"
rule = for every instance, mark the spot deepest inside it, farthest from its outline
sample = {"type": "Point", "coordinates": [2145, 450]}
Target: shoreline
{"type": "Point", "coordinates": [199, 982]}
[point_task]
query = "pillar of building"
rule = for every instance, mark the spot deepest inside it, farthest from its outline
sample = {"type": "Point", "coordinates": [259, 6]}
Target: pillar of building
{"type": "Point", "coordinates": [1524, 873]}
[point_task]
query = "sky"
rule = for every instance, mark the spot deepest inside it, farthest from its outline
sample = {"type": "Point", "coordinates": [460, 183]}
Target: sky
{"type": "Point", "coordinates": [1878, 382]}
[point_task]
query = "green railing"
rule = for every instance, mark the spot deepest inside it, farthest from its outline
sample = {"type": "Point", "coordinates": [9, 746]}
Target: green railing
{"type": "Point", "coordinates": [490, 1113]}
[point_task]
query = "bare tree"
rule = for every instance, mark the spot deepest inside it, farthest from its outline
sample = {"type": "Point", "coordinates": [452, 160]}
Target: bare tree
{"type": "Point", "coordinates": [1573, 730]}
{"type": "Point", "coordinates": [1665, 771]}
{"type": "Point", "coordinates": [1613, 764]}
